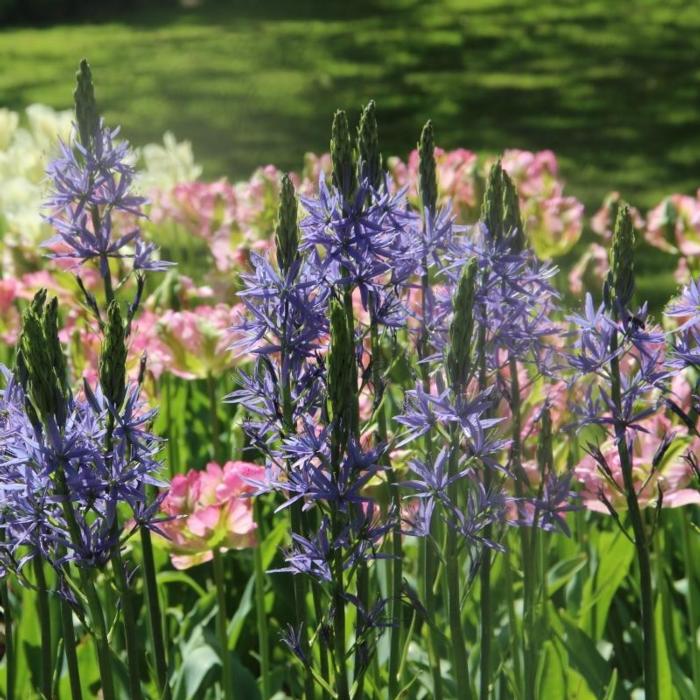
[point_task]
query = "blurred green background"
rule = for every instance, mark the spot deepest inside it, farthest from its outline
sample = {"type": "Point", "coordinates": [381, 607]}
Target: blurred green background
{"type": "Point", "coordinates": [612, 86]}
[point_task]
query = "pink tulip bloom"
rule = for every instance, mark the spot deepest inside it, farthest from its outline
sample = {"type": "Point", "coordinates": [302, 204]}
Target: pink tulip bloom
{"type": "Point", "coordinates": [209, 510]}
{"type": "Point", "coordinates": [670, 479]}
{"type": "Point", "coordinates": [590, 270]}
{"type": "Point", "coordinates": [602, 222]}
{"type": "Point", "coordinates": [198, 341]}
{"type": "Point", "coordinates": [534, 174]}
{"type": "Point", "coordinates": [674, 225]}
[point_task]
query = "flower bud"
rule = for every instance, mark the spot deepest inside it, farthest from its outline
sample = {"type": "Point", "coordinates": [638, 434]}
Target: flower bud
{"type": "Point", "coordinates": [620, 280]}
{"type": "Point", "coordinates": [459, 351]}
{"type": "Point", "coordinates": [342, 155]}
{"type": "Point", "coordinates": [512, 221]}
{"type": "Point", "coordinates": [370, 159]}
{"type": "Point", "coordinates": [85, 105]}
{"type": "Point", "coordinates": [40, 362]}
{"type": "Point", "coordinates": [492, 208]}
{"type": "Point", "coordinates": [427, 176]}
{"type": "Point", "coordinates": [342, 379]}
{"type": "Point", "coordinates": [113, 357]}
{"type": "Point", "coordinates": [286, 231]}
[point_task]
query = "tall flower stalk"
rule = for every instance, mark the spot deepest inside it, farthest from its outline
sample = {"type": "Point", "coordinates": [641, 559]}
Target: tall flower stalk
{"type": "Point", "coordinates": [428, 545]}
{"type": "Point", "coordinates": [352, 243]}
{"type": "Point", "coordinates": [618, 295]}
{"type": "Point", "coordinates": [459, 373]}
{"type": "Point", "coordinates": [91, 181]}
{"type": "Point", "coordinates": [615, 344]}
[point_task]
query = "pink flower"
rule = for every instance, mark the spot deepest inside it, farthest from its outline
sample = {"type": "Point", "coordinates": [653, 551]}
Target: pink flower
{"type": "Point", "coordinates": [209, 510]}
{"type": "Point", "coordinates": [670, 478]}
{"type": "Point", "coordinates": [203, 208]}
{"type": "Point", "coordinates": [457, 177]}
{"type": "Point", "coordinates": [674, 225]}
{"type": "Point", "coordinates": [198, 341]}
{"type": "Point", "coordinates": [553, 225]}
{"type": "Point", "coordinates": [534, 174]}
{"type": "Point", "coordinates": [602, 222]}
{"type": "Point", "coordinates": [590, 270]}
{"type": "Point", "coordinates": [145, 339]}
{"type": "Point", "coordinates": [314, 165]}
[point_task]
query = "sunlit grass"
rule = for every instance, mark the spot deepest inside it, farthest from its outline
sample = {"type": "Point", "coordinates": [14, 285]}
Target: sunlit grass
{"type": "Point", "coordinates": [611, 87]}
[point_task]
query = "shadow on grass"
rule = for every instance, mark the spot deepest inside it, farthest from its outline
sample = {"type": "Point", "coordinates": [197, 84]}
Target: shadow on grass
{"type": "Point", "coordinates": [612, 88]}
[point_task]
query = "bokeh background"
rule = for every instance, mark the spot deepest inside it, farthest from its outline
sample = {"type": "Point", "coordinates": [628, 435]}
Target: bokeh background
{"type": "Point", "coordinates": [612, 86]}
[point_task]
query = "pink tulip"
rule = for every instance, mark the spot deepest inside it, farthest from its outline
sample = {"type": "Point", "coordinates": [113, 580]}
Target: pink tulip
{"type": "Point", "coordinates": [670, 479]}
{"type": "Point", "coordinates": [590, 270]}
{"type": "Point", "coordinates": [198, 341]}
{"type": "Point", "coordinates": [602, 222]}
{"type": "Point", "coordinates": [209, 510]}
{"type": "Point", "coordinates": [674, 225]}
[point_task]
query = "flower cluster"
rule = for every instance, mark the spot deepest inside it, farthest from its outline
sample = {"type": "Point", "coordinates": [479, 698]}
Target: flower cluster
{"type": "Point", "coordinates": [92, 180]}
{"type": "Point", "coordinates": [552, 220]}
{"type": "Point", "coordinates": [68, 482]}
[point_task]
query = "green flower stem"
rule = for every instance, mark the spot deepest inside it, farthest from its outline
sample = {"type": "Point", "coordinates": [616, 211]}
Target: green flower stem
{"type": "Point", "coordinates": [318, 612]}
{"type": "Point", "coordinates": [104, 260]}
{"type": "Point", "coordinates": [429, 574]}
{"type": "Point", "coordinates": [154, 615]}
{"type": "Point", "coordinates": [172, 461]}
{"type": "Point", "coordinates": [691, 600]}
{"type": "Point", "coordinates": [222, 624]}
{"type": "Point", "coordinates": [263, 638]}
{"type": "Point", "coordinates": [215, 425]}
{"type": "Point", "coordinates": [70, 651]}
{"type": "Point", "coordinates": [512, 620]}
{"type": "Point", "coordinates": [485, 603]}
{"type": "Point", "coordinates": [651, 682]}
{"type": "Point", "coordinates": [485, 606]}
{"type": "Point", "coordinates": [45, 625]}
{"type": "Point", "coordinates": [460, 667]}
{"type": "Point", "coordinates": [297, 523]}
{"type": "Point", "coordinates": [129, 618]}
{"type": "Point", "coordinates": [10, 667]}
{"type": "Point", "coordinates": [299, 585]}
{"type": "Point", "coordinates": [429, 568]}
{"type": "Point", "coordinates": [396, 547]}
{"type": "Point", "coordinates": [341, 669]}
{"type": "Point", "coordinates": [93, 601]}
{"type": "Point", "coordinates": [526, 550]}
{"type": "Point", "coordinates": [362, 573]}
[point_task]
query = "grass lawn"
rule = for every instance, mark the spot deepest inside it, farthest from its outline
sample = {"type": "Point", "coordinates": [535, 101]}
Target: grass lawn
{"type": "Point", "coordinates": [611, 85]}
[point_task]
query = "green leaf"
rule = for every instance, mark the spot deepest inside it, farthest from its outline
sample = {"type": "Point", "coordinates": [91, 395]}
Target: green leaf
{"type": "Point", "coordinates": [584, 657]}
{"type": "Point", "coordinates": [235, 626]}
{"type": "Point", "coordinates": [180, 577]}
{"type": "Point", "coordinates": [272, 542]}
{"type": "Point", "coordinates": [245, 605]}
{"type": "Point", "coordinates": [666, 689]}
{"type": "Point", "coordinates": [244, 682]}
{"type": "Point", "coordinates": [615, 556]}
{"type": "Point", "coordinates": [612, 686]}
{"type": "Point", "coordinates": [563, 571]}
{"type": "Point", "coordinates": [551, 674]}
{"type": "Point", "coordinates": [196, 665]}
